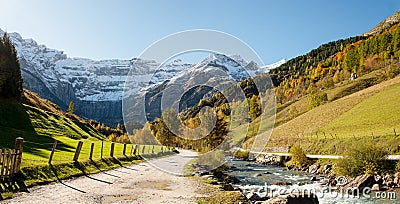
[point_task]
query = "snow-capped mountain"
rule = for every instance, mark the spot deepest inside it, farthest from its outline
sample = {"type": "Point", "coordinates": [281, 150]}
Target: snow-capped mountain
{"type": "Point", "coordinates": [215, 73]}
{"type": "Point", "coordinates": [265, 69]}
{"type": "Point", "coordinates": [97, 87]}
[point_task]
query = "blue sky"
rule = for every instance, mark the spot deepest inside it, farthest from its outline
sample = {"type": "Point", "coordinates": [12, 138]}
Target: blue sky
{"type": "Point", "coordinates": [105, 29]}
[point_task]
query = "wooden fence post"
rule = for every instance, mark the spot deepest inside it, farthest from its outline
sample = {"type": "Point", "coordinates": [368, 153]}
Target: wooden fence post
{"type": "Point", "coordinates": [78, 151]}
{"type": "Point", "coordinates": [101, 151]}
{"type": "Point", "coordinates": [9, 157]}
{"type": "Point", "coordinates": [124, 150]}
{"type": "Point", "coordinates": [131, 149]}
{"type": "Point", "coordinates": [135, 151]}
{"type": "Point", "coordinates": [3, 156]}
{"type": "Point", "coordinates": [91, 151]}
{"type": "Point", "coordinates": [152, 150]}
{"type": "Point", "coordinates": [162, 149]}
{"type": "Point", "coordinates": [143, 149]}
{"type": "Point", "coordinates": [19, 145]}
{"type": "Point", "coordinates": [13, 159]}
{"type": "Point", "coordinates": [112, 149]}
{"type": "Point", "coordinates": [52, 151]}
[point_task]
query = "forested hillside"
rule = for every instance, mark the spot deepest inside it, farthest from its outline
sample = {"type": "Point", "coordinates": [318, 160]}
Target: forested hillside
{"type": "Point", "coordinates": [338, 61]}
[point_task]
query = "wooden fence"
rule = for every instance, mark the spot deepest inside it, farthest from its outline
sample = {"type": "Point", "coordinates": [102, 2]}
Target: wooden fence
{"type": "Point", "coordinates": [134, 150]}
{"type": "Point", "coordinates": [10, 160]}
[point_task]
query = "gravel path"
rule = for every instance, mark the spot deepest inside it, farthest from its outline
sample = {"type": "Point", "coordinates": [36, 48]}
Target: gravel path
{"type": "Point", "coordinates": [138, 183]}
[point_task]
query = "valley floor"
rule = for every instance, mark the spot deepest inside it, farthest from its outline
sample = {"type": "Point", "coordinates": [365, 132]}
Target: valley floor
{"type": "Point", "coordinates": [138, 183]}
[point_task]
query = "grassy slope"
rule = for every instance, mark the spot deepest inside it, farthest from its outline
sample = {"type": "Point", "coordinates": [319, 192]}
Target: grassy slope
{"type": "Point", "coordinates": [367, 110]}
{"type": "Point", "coordinates": [379, 114]}
{"type": "Point", "coordinates": [40, 128]}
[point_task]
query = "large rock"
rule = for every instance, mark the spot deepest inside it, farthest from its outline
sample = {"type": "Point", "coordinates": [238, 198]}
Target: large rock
{"type": "Point", "coordinates": [282, 183]}
{"type": "Point", "coordinates": [378, 179]}
{"type": "Point", "coordinates": [253, 197]}
{"type": "Point", "coordinates": [359, 184]}
{"type": "Point", "coordinates": [228, 187]}
{"type": "Point", "coordinates": [313, 168]}
{"type": "Point", "coordinates": [388, 180]}
{"type": "Point", "coordinates": [327, 168]}
{"type": "Point", "coordinates": [397, 179]}
{"type": "Point", "coordinates": [375, 187]}
{"type": "Point", "coordinates": [293, 199]}
{"type": "Point", "coordinates": [331, 182]}
{"type": "Point", "coordinates": [231, 179]}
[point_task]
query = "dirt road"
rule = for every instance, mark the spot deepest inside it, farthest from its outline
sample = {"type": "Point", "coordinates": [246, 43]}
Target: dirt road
{"type": "Point", "coordinates": [139, 183]}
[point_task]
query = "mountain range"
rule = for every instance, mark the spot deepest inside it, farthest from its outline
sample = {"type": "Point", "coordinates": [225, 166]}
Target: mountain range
{"type": "Point", "coordinates": [96, 87]}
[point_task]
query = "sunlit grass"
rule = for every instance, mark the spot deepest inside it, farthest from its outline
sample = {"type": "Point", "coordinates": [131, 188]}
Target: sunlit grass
{"type": "Point", "coordinates": [369, 115]}
{"type": "Point", "coordinates": [40, 154]}
{"type": "Point", "coordinates": [378, 115]}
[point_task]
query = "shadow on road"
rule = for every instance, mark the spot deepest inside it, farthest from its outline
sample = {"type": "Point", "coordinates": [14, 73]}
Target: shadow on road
{"type": "Point", "coordinates": [82, 168]}
{"type": "Point", "coordinates": [59, 180]}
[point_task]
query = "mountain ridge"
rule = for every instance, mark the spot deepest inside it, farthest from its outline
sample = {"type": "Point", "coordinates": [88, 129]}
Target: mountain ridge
{"type": "Point", "coordinates": [96, 86]}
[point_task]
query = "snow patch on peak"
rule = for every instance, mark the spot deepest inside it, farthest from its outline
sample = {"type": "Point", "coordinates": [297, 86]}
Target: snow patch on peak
{"type": "Point", "coordinates": [265, 69]}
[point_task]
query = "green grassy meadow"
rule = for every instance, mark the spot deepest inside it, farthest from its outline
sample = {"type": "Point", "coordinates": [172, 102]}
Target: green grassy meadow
{"type": "Point", "coordinates": [40, 129]}
{"type": "Point", "coordinates": [358, 111]}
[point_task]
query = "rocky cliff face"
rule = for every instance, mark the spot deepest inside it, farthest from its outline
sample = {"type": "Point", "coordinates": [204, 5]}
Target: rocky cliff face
{"type": "Point", "coordinates": [96, 87]}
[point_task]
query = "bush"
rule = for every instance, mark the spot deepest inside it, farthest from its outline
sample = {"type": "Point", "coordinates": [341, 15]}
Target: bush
{"type": "Point", "coordinates": [397, 166]}
{"type": "Point", "coordinates": [299, 159]}
{"type": "Point", "coordinates": [359, 159]}
{"type": "Point", "coordinates": [316, 99]}
{"type": "Point", "coordinates": [244, 155]}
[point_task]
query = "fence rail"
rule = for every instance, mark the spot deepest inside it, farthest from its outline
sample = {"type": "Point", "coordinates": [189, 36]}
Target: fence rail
{"type": "Point", "coordinates": [10, 159]}
{"type": "Point", "coordinates": [90, 150]}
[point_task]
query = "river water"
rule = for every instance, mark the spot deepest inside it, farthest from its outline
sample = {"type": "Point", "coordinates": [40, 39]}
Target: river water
{"type": "Point", "coordinates": [265, 184]}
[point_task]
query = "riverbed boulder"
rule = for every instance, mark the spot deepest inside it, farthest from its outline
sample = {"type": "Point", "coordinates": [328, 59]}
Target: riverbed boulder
{"type": "Point", "coordinates": [293, 199]}
{"type": "Point", "coordinates": [231, 179]}
{"type": "Point", "coordinates": [388, 180]}
{"type": "Point", "coordinates": [375, 187]}
{"type": "Point", "coordinates": [359, 183]}
{"type": "Point", "coordinates": [378, 179]}
{"type": "Point", "coordinates": [327, 168]}
{"type": "Point", "coordinates": [253, 196]}
{"type": "Point", "coordinates": [228, 187]}
{"type": "Point", "coordinates": [313, 168]}
{"type": "Point", "coordinates": [331, 182]}
{"type": "Point", "coordinates": [397, 179]}
{"type": "Point", "coordinates": [282, 183]}
{"type": "Point", "coordinates": [314, 178]}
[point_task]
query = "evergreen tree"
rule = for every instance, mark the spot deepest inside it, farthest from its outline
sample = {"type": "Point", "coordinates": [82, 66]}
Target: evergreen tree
{"type": "Point", "coordinates": [164, 135]}
{"type": "Point", "coordinates": [71, 107]}
{"type": "Point", "coordinates": [254, 107]}
{"type": "Point", "coordinates": [10, 71]}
